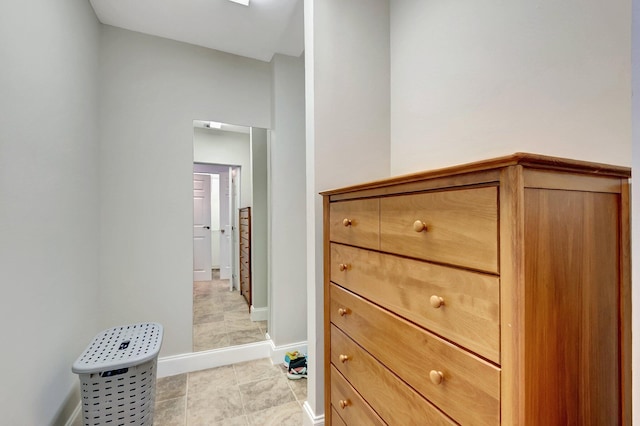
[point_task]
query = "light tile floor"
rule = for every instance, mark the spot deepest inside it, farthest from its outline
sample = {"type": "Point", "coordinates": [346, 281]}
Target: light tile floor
{"type": "Point", "coordinates": [247, 393]}
{"type": "Point", "coordinates": [221, 317]}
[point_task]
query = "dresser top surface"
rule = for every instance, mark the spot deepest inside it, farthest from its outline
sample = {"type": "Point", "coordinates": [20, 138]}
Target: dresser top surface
{"type": "Point", "coordinates": [535, 161]}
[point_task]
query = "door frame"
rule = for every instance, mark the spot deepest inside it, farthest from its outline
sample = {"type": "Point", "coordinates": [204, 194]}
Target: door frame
{"type": "Point", "coordinates": [204, 265]}
{"type": "Point", "coordinates": [217, 168]}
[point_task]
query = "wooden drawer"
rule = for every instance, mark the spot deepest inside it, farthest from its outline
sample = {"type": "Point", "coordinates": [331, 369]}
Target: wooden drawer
{"type": "Point", "coordinates": [461, 227]}
{"type": "Point", "coordinates": [470, 311]}
{"type": "Point", "coordinates": [244, 273]}
{"type": "Point", "coordinates": [470, 388]}
{"type": "Point", "coordinates": [390, 397]}
{"type": "Point", "coordinates": [355, 222]}
{"type": "Point", "coordinates": [336, 420]}
{"type": "Point", "coordinates": [349, 404]}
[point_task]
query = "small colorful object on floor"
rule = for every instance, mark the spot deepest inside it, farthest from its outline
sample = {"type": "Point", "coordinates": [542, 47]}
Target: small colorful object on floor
{"type": "Point", "coordinates": [296, 367]}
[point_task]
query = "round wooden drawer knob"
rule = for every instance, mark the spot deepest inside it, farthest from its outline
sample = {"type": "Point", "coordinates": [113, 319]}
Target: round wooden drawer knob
{"type": "Point", "coordinates": [343, 266]}
{"type": "Point", "coordinates": [344, 403]}
{"type": "Point", "coordinates": [419, 226]}
{"type": "Point", "coordinates": [436, 301]}
{"type": "Point", "coordinates": [436, 377]}
{"type": "Point", "coordinates": [344, 358]}
{"type": "Point", "coordinates": [343, 311]}
{"type": "Point", "coordinates": [346, 222]}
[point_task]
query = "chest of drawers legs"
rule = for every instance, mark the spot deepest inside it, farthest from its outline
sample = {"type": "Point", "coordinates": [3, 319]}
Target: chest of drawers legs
{"type": "Point", "coordinates": [484, 294]}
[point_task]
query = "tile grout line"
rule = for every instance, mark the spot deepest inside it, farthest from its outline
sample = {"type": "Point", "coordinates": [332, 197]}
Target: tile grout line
{"type": "Point", "coordinates": [186, 399]}
{"type": "Point", "coordinates": [244, 410]}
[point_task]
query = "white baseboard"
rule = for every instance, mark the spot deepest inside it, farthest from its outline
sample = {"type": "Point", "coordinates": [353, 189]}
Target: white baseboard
{"type": "Point", "coordinates": [70, 408]}
{"type": "Point", "coordinates": [194, 361]}
{"type": "Point", "coordinates": [259, 314]}
{"type": "Point", "coordinates": [278, 352]}
{"type": "Point", "coordinates": [309, 418]}
{"type": "Point", "coordinates": [77, 412]}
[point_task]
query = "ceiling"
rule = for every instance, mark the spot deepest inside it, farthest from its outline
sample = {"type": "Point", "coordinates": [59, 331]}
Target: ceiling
{"type": "Point", "coordinates": [258, 31]}
{"type": "Point", "coordinates": [224, 127]}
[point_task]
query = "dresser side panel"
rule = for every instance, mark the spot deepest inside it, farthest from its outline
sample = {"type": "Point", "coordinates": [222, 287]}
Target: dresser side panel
{"type": "Point", "coordinates": [625, 302]}
{"type": "Point", "coordinates": [572, 288]}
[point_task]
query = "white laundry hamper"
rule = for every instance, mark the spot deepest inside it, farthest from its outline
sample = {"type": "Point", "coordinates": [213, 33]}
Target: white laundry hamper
{"type": "Point", "coordinates": [118, 375]}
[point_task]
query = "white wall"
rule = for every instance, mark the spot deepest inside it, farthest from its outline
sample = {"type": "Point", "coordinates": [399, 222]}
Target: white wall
{"type": "Point", "coordinates": [48, 203]}
{"type": "Point", "coordinates": [347, 126]}
{"type": "Point", "coordinates": [288, 321]}
{"type": "Point", "coordinates": [473, 80]}
{"type": "Point", "coordinates": [259, 218]}
{"type": "Point", "coordinates": [232, 148]}
{"type": "Point", "coordinates": [151, 90]}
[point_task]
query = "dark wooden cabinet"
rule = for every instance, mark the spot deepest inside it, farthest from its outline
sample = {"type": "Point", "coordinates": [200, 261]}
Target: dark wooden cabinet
{"type": "Point", "coordinates": [245, 253]}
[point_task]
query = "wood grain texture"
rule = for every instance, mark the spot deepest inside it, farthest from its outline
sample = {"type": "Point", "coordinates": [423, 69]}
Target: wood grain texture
{"type": "Point", "coordinates": [562, 270]}
{"type": "Point", "coordinates": [571, 308]}
{"type": "Point", "coordinates": [625, 302]}
{"type": "Point", "coordinates": [469, 316]}
{"type": "Point", "coordinates": [512, 336]}
{"type": "Point", "coordinates": [364, 216]}
{"type": "Point", "coordinates": [390, 397]}
{"type": "Point", "coordinates": [546, 179]}
{"type": "Point", "coordinates": [335, 419]}
{"type": "Point", "coordinates": [357, 411]}
{"type": "Point", "coordinates": [462, 227]}
{"type": "Point", "coordinates": [244, 258]}
{"type": "Point", "coordinates": [533, 161]}
{"type": "Point", "coordinates": [470, 393]}
{"type": "Point", "coordinates": [466, 180]}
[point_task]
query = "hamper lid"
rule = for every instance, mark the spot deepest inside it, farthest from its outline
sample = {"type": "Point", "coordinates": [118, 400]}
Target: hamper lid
{"type": "Point", "coordinates": [120, 347]}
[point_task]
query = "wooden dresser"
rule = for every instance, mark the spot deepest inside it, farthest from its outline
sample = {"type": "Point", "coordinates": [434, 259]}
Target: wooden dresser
{"type": "Point", "coordinates": [496, 292]}
{"type": "Point", "coordinates": [245, 253]}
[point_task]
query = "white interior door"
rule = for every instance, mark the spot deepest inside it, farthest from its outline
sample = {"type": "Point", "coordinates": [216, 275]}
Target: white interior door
{"type": "Point", "coordinates": [235, 206]}
{"type": "Point", "coordinates": [201, 227]}
{"type": "Point", "coordinates": [226, 227]}
{"type": "Point", "coordinates": [215, 221]}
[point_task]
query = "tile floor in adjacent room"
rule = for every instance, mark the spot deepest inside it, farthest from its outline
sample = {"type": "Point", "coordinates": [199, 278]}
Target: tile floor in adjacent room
{"type": "Point", "coordinates": [221, 317]}
{"type": "Point", "coordinates": [247, 393]}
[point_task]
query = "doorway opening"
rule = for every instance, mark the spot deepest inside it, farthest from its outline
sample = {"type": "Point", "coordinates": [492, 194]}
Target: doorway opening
{"type": "Point", "coordinates": [225, 168]}
{"type": "Point", "coordinates": [216, 199]}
